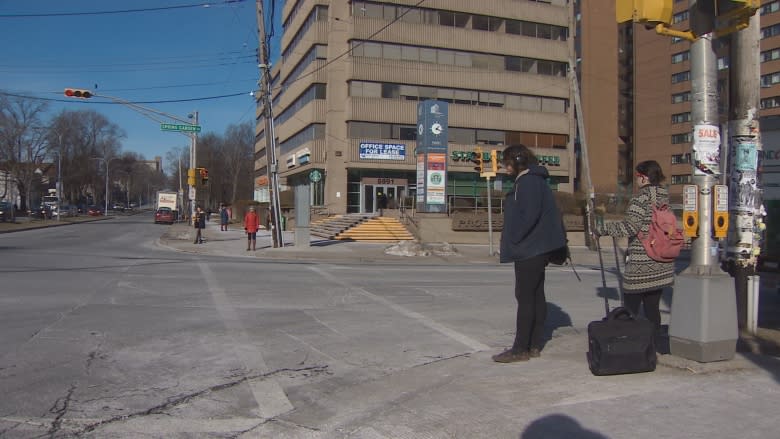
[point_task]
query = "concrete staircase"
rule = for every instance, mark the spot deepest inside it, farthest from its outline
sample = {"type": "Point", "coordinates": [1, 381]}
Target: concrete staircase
{"type": "Point", "coordinates": [377, 229]}
{"type": "Point", "coordinates": [360, 227]}
{"type": "Point", "coordinates": [332, 226]}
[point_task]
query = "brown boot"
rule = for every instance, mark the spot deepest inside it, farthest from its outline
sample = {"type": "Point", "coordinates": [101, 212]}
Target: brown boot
{"type": "Point", "coordinates": [510, 357]}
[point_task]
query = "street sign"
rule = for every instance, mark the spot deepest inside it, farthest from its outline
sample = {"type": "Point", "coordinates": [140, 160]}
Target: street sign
{"type": "Point", "coordinates": [315, 176]}
{"type": "Point", "coordinates": [180, 127]}
{"type": "Point", "coordinates": [192, 193]}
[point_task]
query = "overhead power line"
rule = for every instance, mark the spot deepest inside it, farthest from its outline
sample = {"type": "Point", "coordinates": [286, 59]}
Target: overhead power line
{"type": "Point", "coordinates": [121, 11]}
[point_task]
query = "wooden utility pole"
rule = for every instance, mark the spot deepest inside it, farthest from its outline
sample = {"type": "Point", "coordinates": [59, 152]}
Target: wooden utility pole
{"type": "Point", "coordinates": [744, 150]}
{"type": "Point", "coordinates": [270, 137]}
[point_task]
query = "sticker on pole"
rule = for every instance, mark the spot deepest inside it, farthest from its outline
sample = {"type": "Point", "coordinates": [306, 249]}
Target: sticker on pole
{"type": "Point", "coordinates": [706, 150]}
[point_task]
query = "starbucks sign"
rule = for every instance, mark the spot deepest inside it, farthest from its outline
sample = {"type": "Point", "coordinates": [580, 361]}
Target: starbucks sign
{"type": "Point", "coordinates": [315, 176]}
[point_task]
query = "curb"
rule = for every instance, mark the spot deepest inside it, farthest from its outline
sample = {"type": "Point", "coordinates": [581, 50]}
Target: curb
{"type": "Point", "coordinates": [62, 224]}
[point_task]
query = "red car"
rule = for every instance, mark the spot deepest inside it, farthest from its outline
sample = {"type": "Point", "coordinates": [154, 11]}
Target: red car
{"type": "Point", "coordinates": [163, 215]}
{"type": "Point", "coordinates": [94, 211]}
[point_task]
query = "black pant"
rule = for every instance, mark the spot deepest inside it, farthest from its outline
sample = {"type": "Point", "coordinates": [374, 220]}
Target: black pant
{"type": "Point", "coordinates": [531, 303]}
{"type": "Point", "coordinates": [651, 301]}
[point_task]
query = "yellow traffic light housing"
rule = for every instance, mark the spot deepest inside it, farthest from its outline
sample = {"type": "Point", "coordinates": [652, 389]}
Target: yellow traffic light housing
{"type": "Point", "coordinates": [191, 177]}
{"type": "Point", "coordinates": [494, 160]}
{"type": "Point", "coordinates": [644, 11]}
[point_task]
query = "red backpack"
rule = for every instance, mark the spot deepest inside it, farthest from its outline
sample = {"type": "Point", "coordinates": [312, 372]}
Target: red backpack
{"type": "Point", "coordinates": [664, 239]}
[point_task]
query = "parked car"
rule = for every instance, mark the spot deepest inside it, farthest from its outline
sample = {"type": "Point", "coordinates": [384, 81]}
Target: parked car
{"type": "Point", "coordinates": [94, 211]}
{"type": "Point", "coordinates": [163, 215]}
{"type": "Point", "coordinates": [6, 211]}
{"type": "Point", "coordinates": [118, 207]}
{"type": "Point", "coordinates": [43, 212]}
{"type": "Point", "coordinates": [65, 210]}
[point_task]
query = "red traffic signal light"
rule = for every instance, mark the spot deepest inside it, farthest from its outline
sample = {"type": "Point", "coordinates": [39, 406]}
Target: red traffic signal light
{"type": "Point", "coordinates": [477, 158]}
{"type": "Point", "coordinates": [78, 93]}
{"type": "Point", "coordinates": [204, 175]}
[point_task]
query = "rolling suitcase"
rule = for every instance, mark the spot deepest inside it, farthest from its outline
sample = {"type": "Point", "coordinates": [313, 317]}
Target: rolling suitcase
{"type": "Point", "coordinates": [621, 343]}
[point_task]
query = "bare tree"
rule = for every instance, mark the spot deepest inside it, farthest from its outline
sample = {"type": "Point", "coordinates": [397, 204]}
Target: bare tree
{"type": "Point", "coordinates": [22, 142]}
{"type": "Point", "coordinates": [237, 152]}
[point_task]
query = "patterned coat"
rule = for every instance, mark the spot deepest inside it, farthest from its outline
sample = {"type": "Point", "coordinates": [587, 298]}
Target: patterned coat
{"type": "Point", "coordinates": [642, 273]}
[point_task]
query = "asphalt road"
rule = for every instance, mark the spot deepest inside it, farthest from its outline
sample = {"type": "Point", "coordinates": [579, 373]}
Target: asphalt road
{"type": "Point", "coordinates": [107, 334]}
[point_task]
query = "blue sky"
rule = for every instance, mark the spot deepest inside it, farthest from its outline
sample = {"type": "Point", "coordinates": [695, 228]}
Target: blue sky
{"type": "Point", "coordinates": [171, 54]}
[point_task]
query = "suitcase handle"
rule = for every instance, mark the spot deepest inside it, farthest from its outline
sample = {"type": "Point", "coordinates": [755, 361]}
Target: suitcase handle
{"type": "Point", "coordinates": [620, 313]}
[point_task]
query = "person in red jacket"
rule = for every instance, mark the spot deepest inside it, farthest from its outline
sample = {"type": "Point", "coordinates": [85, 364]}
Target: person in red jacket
{"type": "Point", "coordinates": [251, 224]}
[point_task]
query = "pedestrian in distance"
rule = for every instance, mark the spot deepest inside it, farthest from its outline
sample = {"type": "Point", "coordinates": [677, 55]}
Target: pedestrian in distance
{"type": "Point", "coordinates": [199, 221]}
{"type": "Point", "coordinates": [532, 230]}
{"type": "Point", "coordinates": [224, 218]}
{"type": "Point", "coordinates": [381, 202]}
{"type": "Point", "coordinates": [251, 224]}
{"type": "Point", "coordinates": [644, 278]}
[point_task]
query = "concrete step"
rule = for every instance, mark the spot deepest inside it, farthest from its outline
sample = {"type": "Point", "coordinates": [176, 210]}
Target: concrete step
{"type": "Point", "coordinates": [377, 229]}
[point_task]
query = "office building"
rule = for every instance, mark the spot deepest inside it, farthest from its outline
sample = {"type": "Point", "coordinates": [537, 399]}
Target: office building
{"type": "Point", "coordinates": [351, 74]}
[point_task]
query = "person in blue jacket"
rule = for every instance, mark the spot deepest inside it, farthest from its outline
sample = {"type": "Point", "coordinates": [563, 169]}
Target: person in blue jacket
{"type": "Point", "coordinates": [533, 229]}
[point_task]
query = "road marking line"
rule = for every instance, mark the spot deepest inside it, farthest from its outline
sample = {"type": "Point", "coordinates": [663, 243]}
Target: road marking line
{"type": "Point", "coordinates": [270, 397]}
{"type": "Point", "coordinates": [474, 345]}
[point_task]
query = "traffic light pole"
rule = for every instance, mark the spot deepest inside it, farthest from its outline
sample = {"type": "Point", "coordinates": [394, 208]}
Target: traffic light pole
{"type": "Point", "coordinates": [490, 217]}
{"type": "Point", "coordinates": [703, 324]}
{"type": "Point", "coordinates": [194, 165]}
{"type": "Point", "coordinates": [744, 192]}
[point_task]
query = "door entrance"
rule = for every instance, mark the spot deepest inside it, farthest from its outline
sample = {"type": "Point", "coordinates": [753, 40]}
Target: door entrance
{"type": "Point", "coordinates": [387, 196]}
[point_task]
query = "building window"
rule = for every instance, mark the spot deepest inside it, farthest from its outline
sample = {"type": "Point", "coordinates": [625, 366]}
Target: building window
{"type": "Point", "coordinates": [676, 40]}
{"type": "Point", "coordinates": [459, 58]}
{"type": "Point", "coordinates": [770, 31]}
{"type": "Point", "coordinates": [681, 77]}
{"type": "Point", "coordinates": [770, 79]}
{"type": "Point", "coordinates": [772, 102]}
{"type": "Point", "coordinates": [681, 117]}
{"type": "Point", "coordinates": [318, 51]}
{"type": "Point", "coordinates": [678, 98]}
{"type": "Point", "coordinates": [770, 8]}
{"type": "Point", "coordinates": [315, 91]}
{"type": "Point", "coordinates": [681, 179]}
{"type": "Point", "coordinates": [312, 132]}
{"type": "Point", "coordinates": [318, 13]}
{"type": "Point", "coordinates": [680, 159]}
{"type": "Point", "coordinates": [680, 57]}
{"type": "Point", "coordinates": [770, 55]}
{"type": "Point", "coordinates": [679, 17]}
{"type": "Point", "coordinates": [681, 138]}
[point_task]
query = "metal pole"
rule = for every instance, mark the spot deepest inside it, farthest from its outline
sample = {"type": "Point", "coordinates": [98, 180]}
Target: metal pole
{"type": "Point", "coordinates": [490, 218]}
{"type": "Point", "coordinates": [704, 113]}
{"type": "Point", "coordinates": [105, 212]}
{"type": "Point", "coordinates": [744, 151]}
{"type": "Point", "coordinates": [194, 165]}
{"type": "Point", "coordinates": [59, 181]}
{"type": "Point", "coordinates": [585, 159]}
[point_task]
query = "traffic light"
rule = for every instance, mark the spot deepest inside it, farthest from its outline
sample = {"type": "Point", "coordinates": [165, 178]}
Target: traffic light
{"type": "Point", "coordinates": [77, 93]}
{"type": "Point", "coordinates": [644, 11]}
{"type": "Point", "coordinates": [191, 177]}
{"type": "Point", "coordinates": [204, 175]}
{"type": "Point", "coordinates": [494, 160]}
{"type": "Point", "coordinates": [476, 157]}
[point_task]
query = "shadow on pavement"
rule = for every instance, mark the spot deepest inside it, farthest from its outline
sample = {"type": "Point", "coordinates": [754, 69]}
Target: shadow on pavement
{"type": "Point", "coordinates": [556, 318]}
{"type": "Point", "coordinates": [558, 426]}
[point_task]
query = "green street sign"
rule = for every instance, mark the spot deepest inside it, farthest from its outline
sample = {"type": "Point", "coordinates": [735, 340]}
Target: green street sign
{"type": "Point", "coordinates": [315, 176]}
{"type": "Point", "coordinates": [177, 127]}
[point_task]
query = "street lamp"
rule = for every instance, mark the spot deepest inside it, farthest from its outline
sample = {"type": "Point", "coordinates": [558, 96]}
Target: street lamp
{"type": "Point", "coordinates": [105, 212]}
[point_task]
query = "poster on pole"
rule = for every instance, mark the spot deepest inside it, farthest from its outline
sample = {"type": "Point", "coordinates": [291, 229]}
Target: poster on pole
{"type": "Point", "coordinates": [436, 179]}
{"type": "Point", "coordinates": [420, 179]}
{"type": "Point", "coordinates": [706, 149]}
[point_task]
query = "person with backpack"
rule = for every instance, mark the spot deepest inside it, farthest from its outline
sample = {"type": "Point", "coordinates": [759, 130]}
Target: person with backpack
{"type": "Point", "coordinates": [651, 251]}
{"type": "Point", "coordinates": [532, 233]}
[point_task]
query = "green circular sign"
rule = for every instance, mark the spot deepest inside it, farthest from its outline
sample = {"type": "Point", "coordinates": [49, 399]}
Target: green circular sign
{"type": "Point", "coordinates": [315, 176]}
{"type": "Point", "coordinates": [436, 179]}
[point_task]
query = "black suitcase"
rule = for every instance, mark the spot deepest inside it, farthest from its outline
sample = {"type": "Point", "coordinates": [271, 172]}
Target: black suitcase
{"type": "Point", "coordinates": [620, 343]}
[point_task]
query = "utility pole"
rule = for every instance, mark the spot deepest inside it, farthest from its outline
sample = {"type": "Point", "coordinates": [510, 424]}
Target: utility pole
{"type": "Point", "coordinates": [744, 149]}
{"type": "Point", "coordinates": [585, 160]}
{"type": "Point", "coordinates": [270, 135]}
